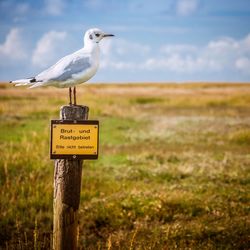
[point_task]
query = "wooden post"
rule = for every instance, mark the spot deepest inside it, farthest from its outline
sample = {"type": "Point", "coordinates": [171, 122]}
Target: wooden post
{"type": "Point", "coordinates": [67, 188]}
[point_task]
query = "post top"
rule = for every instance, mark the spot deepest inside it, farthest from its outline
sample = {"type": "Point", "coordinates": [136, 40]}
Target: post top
{"type": "Point", "coordinates": [74, 112]}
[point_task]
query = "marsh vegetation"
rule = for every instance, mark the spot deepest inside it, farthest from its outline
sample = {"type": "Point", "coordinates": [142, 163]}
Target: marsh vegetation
{"type": "Point", "coordinates": [173, 171]}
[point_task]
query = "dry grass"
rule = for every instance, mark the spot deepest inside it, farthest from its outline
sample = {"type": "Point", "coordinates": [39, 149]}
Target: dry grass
{"type": "Point", "coordinates": [173, 171]}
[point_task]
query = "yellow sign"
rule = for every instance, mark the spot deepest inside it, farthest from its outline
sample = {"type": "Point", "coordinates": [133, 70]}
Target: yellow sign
{"type": "Point", "coordinates": [74, 139]}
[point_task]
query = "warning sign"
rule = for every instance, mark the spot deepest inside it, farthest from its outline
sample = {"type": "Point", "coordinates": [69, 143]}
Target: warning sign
{"type": "Point", "coordinates": [74, 139]}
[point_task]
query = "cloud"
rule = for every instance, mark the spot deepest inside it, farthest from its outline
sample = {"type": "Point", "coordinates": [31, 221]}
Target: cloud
{"type": "Point", "coordinates": [54, 7]}
{"type": "Point", "coordinates": [243, 64]}
{"type": "Point", "coordinates": [48, 48]}
{"type": "Point", "coordinates": [150, 29]}
{"type": "Point", "coordinates": [123, 47]}
{"type": "Point", "coordinates": [217, 56]}
{"type": "Point", "coordinates": [178, 48]}
{"type": "Point", "coordinates": [13, 48]}
{"type": "Point", "coordinates": [117, 53]}
{"type": "Point", "coordinates": [176, 63]}
{"type": "Point", "coordinates": [186, 7]}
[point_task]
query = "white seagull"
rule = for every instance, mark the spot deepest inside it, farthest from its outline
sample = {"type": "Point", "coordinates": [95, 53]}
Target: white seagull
{"type": "Point", "coordinates": [72, 69]}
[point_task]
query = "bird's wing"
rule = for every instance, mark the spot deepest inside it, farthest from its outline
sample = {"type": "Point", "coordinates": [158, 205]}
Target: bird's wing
{"type": "Point", "coordinates": [64, 69]}
{"type": "Point", "coordinates": [73, 68]}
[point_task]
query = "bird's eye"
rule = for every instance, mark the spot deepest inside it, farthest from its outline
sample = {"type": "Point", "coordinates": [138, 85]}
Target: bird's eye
{"type": "Point", "coordinates": [97, 34]}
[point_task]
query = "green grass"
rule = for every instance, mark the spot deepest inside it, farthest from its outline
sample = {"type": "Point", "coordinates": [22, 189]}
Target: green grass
{"type": "Point", "coordinates": [173, 171]}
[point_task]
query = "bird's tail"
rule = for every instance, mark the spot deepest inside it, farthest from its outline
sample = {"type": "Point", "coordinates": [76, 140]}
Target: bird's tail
{"type": "Point", "coordinates": [24, 82]}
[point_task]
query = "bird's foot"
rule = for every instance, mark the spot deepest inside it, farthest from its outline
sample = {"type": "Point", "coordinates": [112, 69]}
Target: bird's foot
{"type": "Point", "coordinates": [70, 96]}
{"type": "Point", "coordinates": [74, 94]}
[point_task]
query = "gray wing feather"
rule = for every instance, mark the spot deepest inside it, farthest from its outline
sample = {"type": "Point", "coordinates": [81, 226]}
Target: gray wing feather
{"type": "Point", "coordinates": [75, 67]}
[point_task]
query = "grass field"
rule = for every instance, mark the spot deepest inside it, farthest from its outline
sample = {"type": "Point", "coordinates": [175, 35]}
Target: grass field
{"type": "Point", "coordinates": [173, 171]}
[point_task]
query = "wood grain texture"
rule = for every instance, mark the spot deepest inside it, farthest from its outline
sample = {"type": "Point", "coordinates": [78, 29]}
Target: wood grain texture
{"type": "Point", "coordinates": [67, 188]}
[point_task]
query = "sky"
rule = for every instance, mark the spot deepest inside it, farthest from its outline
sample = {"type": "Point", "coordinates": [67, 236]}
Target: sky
{"type": "Point", "coordinates": [155, 41]}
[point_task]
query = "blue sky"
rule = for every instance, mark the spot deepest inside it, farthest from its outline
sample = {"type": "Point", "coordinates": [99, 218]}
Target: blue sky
{"type": "Point", "coordinates": [160, 41]}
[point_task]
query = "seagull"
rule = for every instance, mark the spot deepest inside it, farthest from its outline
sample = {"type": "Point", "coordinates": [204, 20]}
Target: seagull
{"type": "Point", "coordinates": [72, 69]}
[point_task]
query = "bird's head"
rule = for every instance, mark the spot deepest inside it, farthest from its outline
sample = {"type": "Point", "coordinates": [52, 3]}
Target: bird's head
{"type": "Point", "coordinates": [95, 35]}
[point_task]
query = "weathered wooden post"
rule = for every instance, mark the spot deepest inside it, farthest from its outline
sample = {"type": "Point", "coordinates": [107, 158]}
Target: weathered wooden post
{"type": "Point", "coordinates": [73, 138]}
{"type": "Point", "coordinates": [67, 188]}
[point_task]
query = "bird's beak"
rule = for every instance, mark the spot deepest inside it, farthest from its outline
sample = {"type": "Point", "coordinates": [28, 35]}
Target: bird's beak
{"type": "Point", "coordinates": [107, 35]}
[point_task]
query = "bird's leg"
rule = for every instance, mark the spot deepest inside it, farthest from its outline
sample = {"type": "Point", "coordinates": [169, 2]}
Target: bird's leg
{"type": "Point", "coordinates": [74, 95]}
{"type": "Point", "coordinates": [70, 96]}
